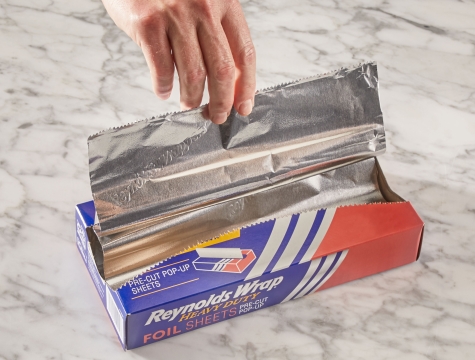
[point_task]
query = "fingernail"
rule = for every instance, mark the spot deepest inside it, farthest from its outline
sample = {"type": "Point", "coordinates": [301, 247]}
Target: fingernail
{"type": "Point", "coordinates": [184, 106]}
{"type": "Point", "coordinates": [245, 108]}
{"type": "Point", "coordinates": [219, 118]}
{"type": "Point", "coordinates": [164, 95]}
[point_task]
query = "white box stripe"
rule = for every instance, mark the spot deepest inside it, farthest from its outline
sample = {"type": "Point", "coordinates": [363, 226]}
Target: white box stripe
{"type": "Point", "coordinates": [218, 264]}
{"type": "Point", "coordinates": [224, 263]}
{"type": "Point", "coordinates": [335, 268]}
{"type": "Point", "coordinates": [328, 262]}
{"type": "Point", "coordinates": [311, 270]}
{"type": "Point", "coordinates": [302, 229]}
{"type": "Point", "coordinates": [322, 231]}
{"type": "Point", "coordinates": [275, 239]}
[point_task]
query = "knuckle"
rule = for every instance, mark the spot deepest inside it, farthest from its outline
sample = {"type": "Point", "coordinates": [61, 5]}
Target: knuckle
{"type": "Point", "coordinates": [224, 71]}
{"type": "Point", "coordinates": [146, 21]}
{"type": "Point", "coordinates": [165, 68]}
{"type": "Point", "coordinates": [195, 77]}
{"type": "Point", "coordinates": [165, 75]}
{"type": "Point", "coordinates": [174, 8]}
{"type": "Point", "coordinates": [247, 55]}
{"type": "Point", "coordinates": [221, 104]}
{"type": "Point", "coordinates": [204, 8]}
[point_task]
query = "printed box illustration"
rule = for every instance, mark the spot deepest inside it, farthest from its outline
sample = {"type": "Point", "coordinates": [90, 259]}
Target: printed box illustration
{"type": "Point", "coordinates": [221, 261]}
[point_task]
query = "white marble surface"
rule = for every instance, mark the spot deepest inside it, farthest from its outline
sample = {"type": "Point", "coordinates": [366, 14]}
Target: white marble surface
{"type": "Point", "coordinates": [66, 71]}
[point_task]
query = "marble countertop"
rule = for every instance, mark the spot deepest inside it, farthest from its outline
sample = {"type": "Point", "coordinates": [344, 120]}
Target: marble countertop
{"type": "Point", "coordinates": [67, 72]}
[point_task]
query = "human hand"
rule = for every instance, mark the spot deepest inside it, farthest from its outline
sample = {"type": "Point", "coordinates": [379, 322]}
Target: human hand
{"type": "Point", "coordinates": [201, 38]}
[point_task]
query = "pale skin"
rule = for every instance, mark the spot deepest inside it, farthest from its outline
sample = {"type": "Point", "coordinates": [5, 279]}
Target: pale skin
{"type": "Point", "coordinates": [202, 39]}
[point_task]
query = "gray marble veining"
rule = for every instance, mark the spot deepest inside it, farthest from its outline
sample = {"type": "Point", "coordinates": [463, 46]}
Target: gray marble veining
{"type": "Point", "coordinates": [67, 72]}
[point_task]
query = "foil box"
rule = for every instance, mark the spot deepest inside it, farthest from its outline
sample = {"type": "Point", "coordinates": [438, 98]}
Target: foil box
{"type": "Point", "coordinates": [295, 187]}
{"type": "Point", "coordinates": [282, 259]}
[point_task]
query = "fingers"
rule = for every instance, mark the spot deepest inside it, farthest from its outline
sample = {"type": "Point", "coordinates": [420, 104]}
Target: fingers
{"type": "Point", "coordinates": [208, 40]}
{"type": "Point", "coordinates": [153, 40]}
{"type": "Point", "coordinates": [242, 48]}
{"type": "Point", "coordinates": [220, 69]}
{"type": "Point", "coordinates": [190, 65]}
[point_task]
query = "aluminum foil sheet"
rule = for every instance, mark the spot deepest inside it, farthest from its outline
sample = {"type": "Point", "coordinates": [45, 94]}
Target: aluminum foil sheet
{"type": "Point", "coordinates": [167, 183]}
{"type": "Point", "coordinates": [178, 163]}
{"type": "Point", "coordinates": [125, 255]}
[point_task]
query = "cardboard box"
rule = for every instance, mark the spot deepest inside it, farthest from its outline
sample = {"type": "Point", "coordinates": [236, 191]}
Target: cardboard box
{"type": "Point", "coordinates": [256, 267]}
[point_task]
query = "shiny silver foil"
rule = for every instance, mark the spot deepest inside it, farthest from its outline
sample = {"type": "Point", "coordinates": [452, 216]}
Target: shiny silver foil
{"type": "Point", "coordinates": [164, 184]}
{"type": "Point", "coordinates": [125, 255]}
{"type": "Point", "coordinates": [180, 162]}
